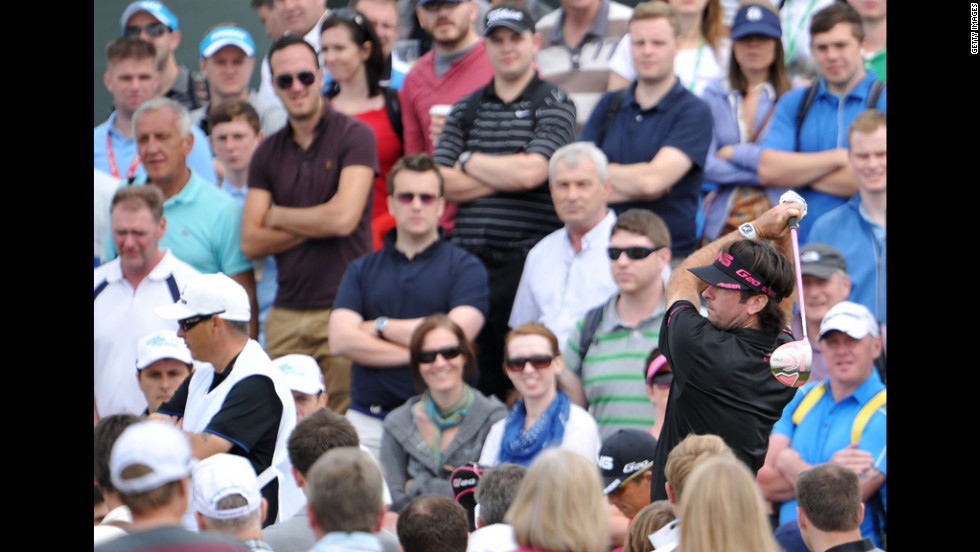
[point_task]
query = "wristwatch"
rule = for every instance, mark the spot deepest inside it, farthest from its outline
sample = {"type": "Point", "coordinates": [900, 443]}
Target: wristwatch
{"type": "Point", "coordinates": [747, 231]}
{"type": "Point", "coordinates": [380, 324]}
{"type": "Point", "coordinates": [463, 158]}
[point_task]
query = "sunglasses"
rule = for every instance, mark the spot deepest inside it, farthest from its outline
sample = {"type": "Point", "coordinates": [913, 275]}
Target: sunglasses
{"type": "Point", "coordinates": [285, 82]}
{"type": "Point", "coordinates": [409, 197]}
{"type": "Point", "coordinates": [634, 253]}
{"type": "Point", "coordinates": [350, 15]}
{"type": "Point", "coordinates": [447, 353]}
{"type": "Point", "coordinates": [187, 323]}
{"type": "Point", "coordinates": [538, 362]}
{"type": "Point", "coordinates": [152, 29]}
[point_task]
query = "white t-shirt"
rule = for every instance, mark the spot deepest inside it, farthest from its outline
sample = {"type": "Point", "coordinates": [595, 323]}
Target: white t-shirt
{"type": "Point", "coordinates": [581, 436]}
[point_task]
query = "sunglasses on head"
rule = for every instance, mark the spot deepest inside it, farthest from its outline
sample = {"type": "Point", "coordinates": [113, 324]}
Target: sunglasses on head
{"type": "Point", "coordinates": [409, 197]}
{"type": "Point", "coordinates": [152, 29]}
{"type": "Point", "coordinates": [634, 253]}
{"type": "Point", "coordinates": [187, 323]}
{"type": "Point", "coordinates": [285, 81]}
{"type": "Point", "coordinates": [447, 353]}
{"type": "Point", "coordinates": [348, 14]}
{"type": "Point", "coordinates": [538, 362]}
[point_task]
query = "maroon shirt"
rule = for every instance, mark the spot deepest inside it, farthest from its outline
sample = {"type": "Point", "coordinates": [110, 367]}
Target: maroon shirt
{"type": "Point", "coordinates": [310, 273]}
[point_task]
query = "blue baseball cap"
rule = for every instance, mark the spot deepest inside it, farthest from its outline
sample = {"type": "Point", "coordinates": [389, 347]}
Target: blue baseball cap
{"type": "Point", "coordinates": [160, 12]}
{"type": "Point", "coordinates": [755, 19]}
{"type": "Point", "coordinates": [220, 37]}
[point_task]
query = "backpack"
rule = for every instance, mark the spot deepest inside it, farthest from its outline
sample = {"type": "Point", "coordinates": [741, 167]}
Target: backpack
{"type": "Point", "coordinates": [614, 103]}
{"type": "Point", "coordinates": [876, 87]}
{"type": "Point", "coordinates": [394, 109]}
{"type": "Point", "coordinates": [469, 116]}
{"type": "Point", "coordinates": [589, 325]}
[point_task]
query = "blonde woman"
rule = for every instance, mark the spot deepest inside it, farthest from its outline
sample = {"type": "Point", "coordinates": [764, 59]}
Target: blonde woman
{"type": "Point", "coordinates": [722, 509]}
{"type": "Point", "coordinates": [560, 506]}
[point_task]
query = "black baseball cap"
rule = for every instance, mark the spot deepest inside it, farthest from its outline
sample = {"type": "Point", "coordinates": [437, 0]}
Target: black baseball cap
{"type": "Point", "coordinates": [512, 15]}
{"type": "Point", "coordinates": [624, 455]}
{"type": "Point", "coordinates": [821, 260]}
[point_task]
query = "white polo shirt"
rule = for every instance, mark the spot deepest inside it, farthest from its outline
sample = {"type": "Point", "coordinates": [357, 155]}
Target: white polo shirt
{"type": "Point", "coordinates": [124, 315]}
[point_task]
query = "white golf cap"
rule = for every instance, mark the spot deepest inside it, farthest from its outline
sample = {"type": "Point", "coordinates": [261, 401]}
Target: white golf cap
{"type": "Point", "coordinates": [159, 345]}
{"type": "Point", "coordinates": [160, 447]}
{"type": "Point", "coordinates": [223, 475]}
{"type": "Point", "coordinates": [210, 294]}
{"type": "Point", "coordinates": [851, 318]}
{"type": "Point", "coordinates": [302, 373]}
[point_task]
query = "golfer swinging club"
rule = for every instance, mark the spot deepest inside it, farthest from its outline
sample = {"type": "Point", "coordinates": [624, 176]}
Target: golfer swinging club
{"type": "Point", "coordinates": [722, 378]}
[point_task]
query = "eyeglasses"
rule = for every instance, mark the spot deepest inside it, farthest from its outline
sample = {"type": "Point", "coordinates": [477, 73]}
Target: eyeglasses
{"type": "Point", "coordinates": [634, 253]}
{"type": "Point", "coordinates": [409, 197]}
{"type": "Point", "coordinates": [152, 29]}
{"type": "Point", "coordinates": [447, 353]}
{"type": "Point", "coordinates": [187, 323]}
{"type": "Point", "coordinates": [538, 362]}
{"type": "Point", "coordinates": [285, 82]}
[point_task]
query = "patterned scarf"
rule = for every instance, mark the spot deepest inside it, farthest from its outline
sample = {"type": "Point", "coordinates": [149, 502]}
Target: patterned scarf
{"type": "Point", "coordinates": [445, 418]}
{"type": "Point", "coordinates": [521, 447]}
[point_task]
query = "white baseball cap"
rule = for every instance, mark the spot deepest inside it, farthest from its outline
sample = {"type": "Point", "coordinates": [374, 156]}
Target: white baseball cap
{"type": "Point", "coordinates": [302, 373]}
{"type": "Point", "coordinates": [159, 345]}
{"type": "Point", "coordinates": [851, 318]}
{"type": "Point", "coordinates": [210, 294]}
{"type": "Point", "coordinates": [220, 476]}
{"type": "Point", "coordinates": [157, 445]}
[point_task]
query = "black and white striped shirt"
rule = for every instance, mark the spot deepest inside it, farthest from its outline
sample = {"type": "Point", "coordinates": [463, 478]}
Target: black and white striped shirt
{"type": "Point", "coordinates": [537, 121]}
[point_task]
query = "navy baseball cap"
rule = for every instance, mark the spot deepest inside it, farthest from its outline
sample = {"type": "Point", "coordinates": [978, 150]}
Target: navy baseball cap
{"type": "Point", "coordinates": [624, 455]}
{"type": "Point", "coordinates": [755, 19]}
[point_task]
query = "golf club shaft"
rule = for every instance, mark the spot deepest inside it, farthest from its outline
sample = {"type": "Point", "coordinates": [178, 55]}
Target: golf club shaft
{"type": "Point", "coordinates": [799, 276]}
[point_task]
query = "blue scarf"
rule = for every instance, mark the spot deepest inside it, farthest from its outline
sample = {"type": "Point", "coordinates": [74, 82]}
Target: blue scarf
{"type": "Point", "coordinates": [521, 447]}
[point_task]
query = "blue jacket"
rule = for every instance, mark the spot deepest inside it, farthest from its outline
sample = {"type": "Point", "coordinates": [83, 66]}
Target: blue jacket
{"type": "Point", "coordinates": [851, 233]}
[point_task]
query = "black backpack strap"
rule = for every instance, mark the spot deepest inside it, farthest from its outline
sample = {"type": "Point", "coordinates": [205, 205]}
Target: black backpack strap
{"type": "Point", "coordinates": [880, 364]}
{"type": "Point", "coordinates": [876, 87]}
{"type": "Point", "coordinates": [589, 325]}
{"type": "Point", "coordinates": [174, 290]}
{"type": "Point", "coordinates": [394, 109]}
{"type": "Point", "coordinates": [804, 108]}
{"type": "Point", "coordinates": [614, 103]}
{"type": "Point", "coordinates": [100, 288]}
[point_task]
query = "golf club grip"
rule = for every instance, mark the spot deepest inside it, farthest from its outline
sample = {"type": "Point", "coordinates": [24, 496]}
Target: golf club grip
{"type": "Point", "coordinates": [793, 223]}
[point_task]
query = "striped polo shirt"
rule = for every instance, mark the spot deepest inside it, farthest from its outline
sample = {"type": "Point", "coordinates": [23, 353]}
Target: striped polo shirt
{"type": "Point", "coordinates": [612, 371]}
{"type": "Point", "coordinates": [534, 122]}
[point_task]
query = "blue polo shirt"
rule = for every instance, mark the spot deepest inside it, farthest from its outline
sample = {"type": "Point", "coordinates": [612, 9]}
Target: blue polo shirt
{"type": "Point", "coordinates": [824, 128]}
{"type": "Point", "coordinates": [204, 227]}
{"type": "Point", "coordinates": [681, 120]}
{"type": "Point", "coordinates": [826, 428]}
{"type": "Point", "coordinates": [124, 150]}
{"type": "Point", "coordinates": [387, 283]}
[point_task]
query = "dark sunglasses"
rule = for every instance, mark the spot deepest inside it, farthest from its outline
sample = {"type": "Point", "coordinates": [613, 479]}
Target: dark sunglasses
{"type": "Point", "coordinates": [409, 197]}
{"type": "Point", "coordinates": [634, 253]}
{"type": "Point", "coordinates": [538, 362]}
{"type": "Point", "coordinates": [349, 15]}
{"type": "Point", "coordinates": [187, 323]}
{"type": "Point", "coordinates": [447, 353]}
{"type": "Point", "coordinates": [152, 29]}
{"type": "Point", "coordinates": [285, 82]}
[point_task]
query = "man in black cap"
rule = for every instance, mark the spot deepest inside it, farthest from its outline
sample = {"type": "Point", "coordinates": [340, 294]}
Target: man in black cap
{"type": "Point", "coordinates": [722, 380]}
{"type": "Point", "coordinates": [625, 460]}
{"type": "Point", "coordinates": [494, 151]}
{"type": "Point", "coordinates": [825, 283]}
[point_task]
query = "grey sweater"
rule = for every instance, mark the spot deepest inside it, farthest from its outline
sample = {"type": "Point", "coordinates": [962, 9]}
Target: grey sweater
{"type": "Point", "coordinates": [405, 455]}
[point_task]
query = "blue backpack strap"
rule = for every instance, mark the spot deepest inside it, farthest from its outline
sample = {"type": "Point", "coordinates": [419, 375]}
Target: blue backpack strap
{"type": "Point", "coordinates": [99, 288]}
{"type": "Point", "coordinates": [174, 290]}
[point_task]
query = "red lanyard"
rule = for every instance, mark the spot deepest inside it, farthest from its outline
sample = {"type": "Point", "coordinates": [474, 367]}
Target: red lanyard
{"type": "Point", "coordinates": [112, 160]}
